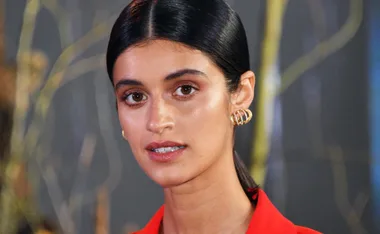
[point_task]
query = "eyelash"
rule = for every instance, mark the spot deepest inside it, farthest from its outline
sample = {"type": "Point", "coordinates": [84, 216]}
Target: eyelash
{"type": "Point", "coordinates": [186, 96]}
{"type": "Point", "coordinates": [128, 94]}
{"type": "Point", "coordinates": [181, 97]}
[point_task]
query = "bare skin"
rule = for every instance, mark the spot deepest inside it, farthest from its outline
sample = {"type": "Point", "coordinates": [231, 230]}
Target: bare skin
{"type": "Point", "coordinates": [168, 92]}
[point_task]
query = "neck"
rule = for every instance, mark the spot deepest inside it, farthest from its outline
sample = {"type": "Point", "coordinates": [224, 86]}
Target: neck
{"type": "Point", "coordinates": [214, 202]}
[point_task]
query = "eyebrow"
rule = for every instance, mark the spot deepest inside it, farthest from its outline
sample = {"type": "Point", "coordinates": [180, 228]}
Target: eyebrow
{"type": "Point", "coordinates": [175, 75]}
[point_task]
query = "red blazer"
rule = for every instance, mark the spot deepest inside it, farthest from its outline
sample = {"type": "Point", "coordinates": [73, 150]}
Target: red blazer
{"type": "Point", "coordinates": [265, 220]}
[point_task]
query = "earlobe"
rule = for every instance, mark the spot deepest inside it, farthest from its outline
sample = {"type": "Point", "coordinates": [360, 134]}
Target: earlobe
{"type": "Point", "coordinates": [245, 93]}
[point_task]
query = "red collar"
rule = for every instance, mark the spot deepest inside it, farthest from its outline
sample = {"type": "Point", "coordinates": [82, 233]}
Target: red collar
{"type": "Point", "coordinates": [266, 219]}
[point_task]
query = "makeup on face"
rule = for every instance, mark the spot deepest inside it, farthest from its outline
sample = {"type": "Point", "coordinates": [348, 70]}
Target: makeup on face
{"type": "Point", "coordinates": [173, 108]}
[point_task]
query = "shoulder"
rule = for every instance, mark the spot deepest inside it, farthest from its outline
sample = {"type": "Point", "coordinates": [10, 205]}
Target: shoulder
{"type": "Point", "coordinates": [305, 230]}
{"type": "Point", "coordinates": [267, 219]}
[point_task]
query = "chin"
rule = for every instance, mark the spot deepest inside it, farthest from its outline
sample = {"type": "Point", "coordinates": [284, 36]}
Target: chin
{"type": "Point", "coordinates": [169, 178]}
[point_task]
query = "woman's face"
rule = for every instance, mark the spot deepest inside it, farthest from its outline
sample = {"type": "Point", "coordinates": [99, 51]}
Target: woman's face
{"type": "Point", "coordinates": [174, 108]}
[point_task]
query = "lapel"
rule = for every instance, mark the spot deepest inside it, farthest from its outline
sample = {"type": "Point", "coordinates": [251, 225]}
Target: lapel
{"type": "Point", "coordinates": [267, 219]}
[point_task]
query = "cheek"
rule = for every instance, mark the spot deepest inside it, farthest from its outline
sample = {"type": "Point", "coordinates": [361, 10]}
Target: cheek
{"type": "Point", "coordinates": [207, 117]}
{"type": "Point", "coordinates": [131, 124]}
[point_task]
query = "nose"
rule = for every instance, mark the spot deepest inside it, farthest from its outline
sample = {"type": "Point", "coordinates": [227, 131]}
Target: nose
{"type": "Point", "coordinates": [159, 117]}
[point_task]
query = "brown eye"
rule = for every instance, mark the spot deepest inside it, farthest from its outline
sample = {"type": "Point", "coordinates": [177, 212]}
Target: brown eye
{"type": "Point", "coordinates": [135, 98]}
{"type": "Point", "coordinates": [184, 90]}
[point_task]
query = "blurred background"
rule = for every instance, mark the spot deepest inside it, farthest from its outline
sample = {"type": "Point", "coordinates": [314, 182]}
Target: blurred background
{"type": "Point", "coordinates": [313, 144]}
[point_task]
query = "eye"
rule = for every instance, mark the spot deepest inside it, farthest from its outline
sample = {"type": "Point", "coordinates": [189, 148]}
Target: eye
{"type": "Point", "coordinates": [135, 98]}
{"type": "Point", "coordinates": [184, 90]}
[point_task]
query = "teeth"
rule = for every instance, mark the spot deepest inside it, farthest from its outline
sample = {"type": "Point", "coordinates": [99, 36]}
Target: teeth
{"type": "Point", "coordinates": [167, 149]}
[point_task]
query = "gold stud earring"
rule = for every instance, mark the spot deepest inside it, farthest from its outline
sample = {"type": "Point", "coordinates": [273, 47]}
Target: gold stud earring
{"type": "Point", "coordinates": [122, 133]}
{"type": "Point", "coordinates": [241, 116]}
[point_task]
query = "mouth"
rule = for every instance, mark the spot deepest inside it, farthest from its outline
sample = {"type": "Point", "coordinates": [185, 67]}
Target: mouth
{"type": "Point", "coordinates": [164, 147]}
{"type": "Point", "coordinates": [165, 151]}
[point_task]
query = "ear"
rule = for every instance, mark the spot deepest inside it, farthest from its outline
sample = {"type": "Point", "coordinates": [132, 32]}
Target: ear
{"type": "Point", "coordinates": [243, 96]}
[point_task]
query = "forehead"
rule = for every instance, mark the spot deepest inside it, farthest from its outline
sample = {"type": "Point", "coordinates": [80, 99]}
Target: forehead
{"type": "Point", "coordinates": [158, 58]}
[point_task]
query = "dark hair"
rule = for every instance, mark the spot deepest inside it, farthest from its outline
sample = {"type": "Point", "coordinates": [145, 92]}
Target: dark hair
{"type": "Point", "coordinates": [210, 26]}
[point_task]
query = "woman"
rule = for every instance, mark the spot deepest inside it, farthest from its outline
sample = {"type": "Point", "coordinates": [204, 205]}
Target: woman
{"type": "Point", "coordinates": [181, 75]}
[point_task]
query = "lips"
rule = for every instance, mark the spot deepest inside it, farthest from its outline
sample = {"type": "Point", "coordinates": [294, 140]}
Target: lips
{"type": "Point", "coordinates": [165, 151]}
